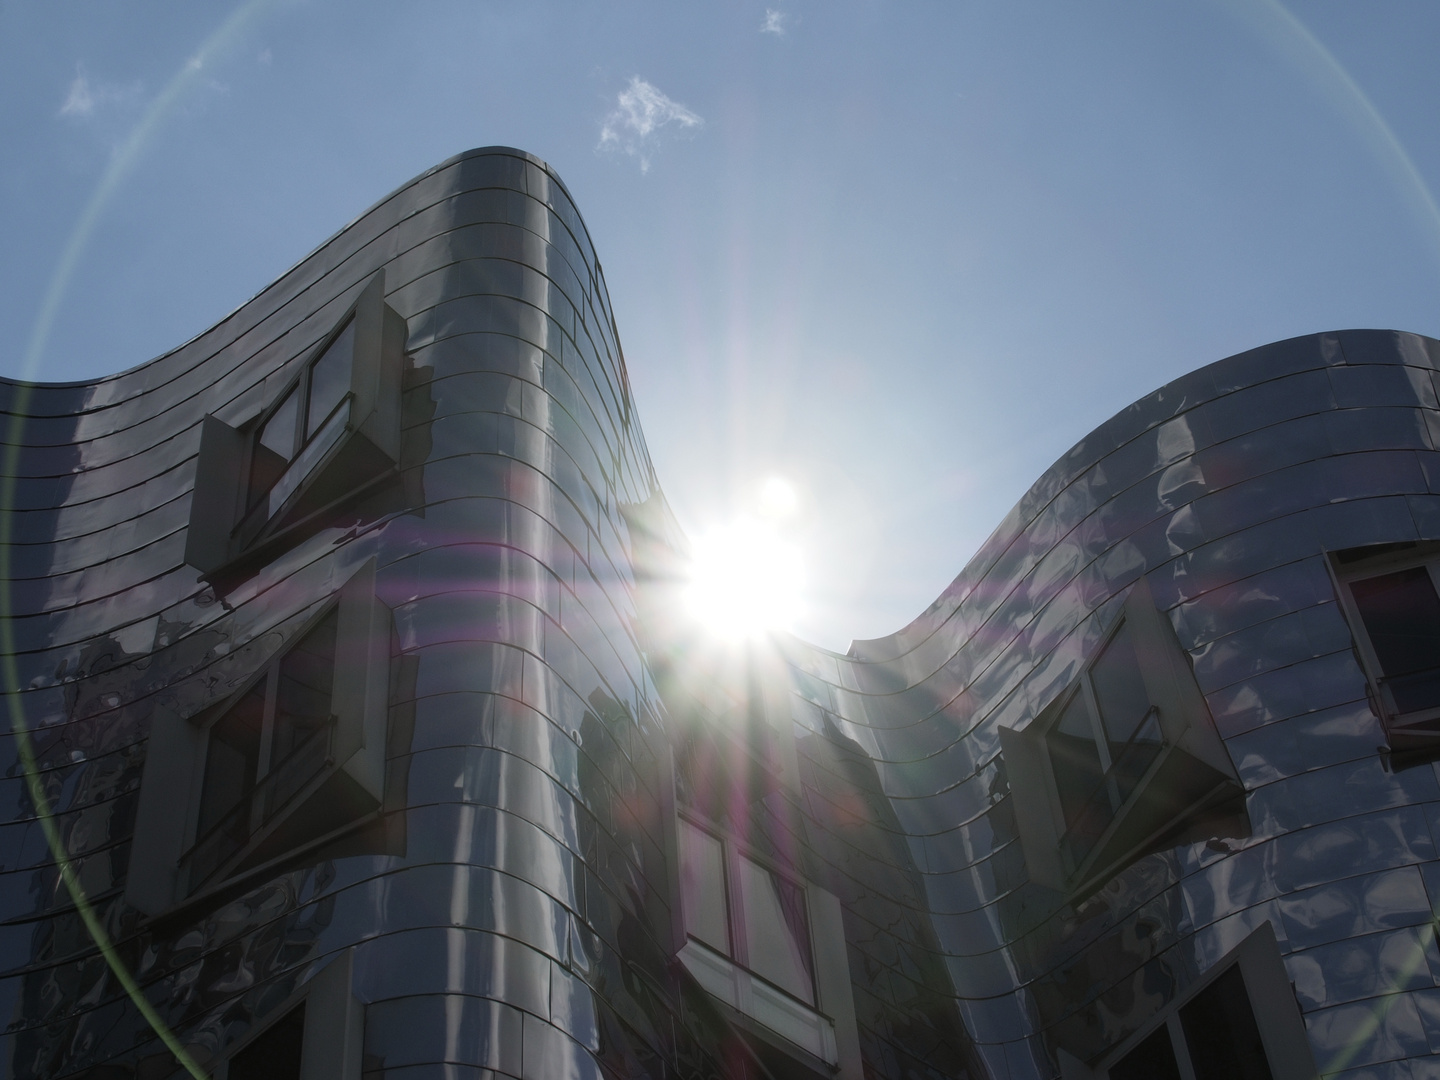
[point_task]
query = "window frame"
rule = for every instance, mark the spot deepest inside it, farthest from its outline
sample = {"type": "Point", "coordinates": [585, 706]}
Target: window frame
{"type": "Point", "coordinates": [1083, 687]}
{"type": "Point", "coordinates": [834, 1006]}
{"type": "Point", "coordinates": [1272, 1002]}
{"type": "Point", "coordinates": [1190, 749]}
{"type": "Point", "coordinates": [228, 529]}
{"type": "Point", "coordinates": [735, 908]}
{"type": "Point", "coordinates": [261, 824]}
{"type": "Point", "coordinates": [349, 785]}
{"type": "Point", "coordinates": [1418, 730]}
{"type": "Point", "coordinates": [303, 386]}
{"type": "Point", "coordinates": [333, 1046]}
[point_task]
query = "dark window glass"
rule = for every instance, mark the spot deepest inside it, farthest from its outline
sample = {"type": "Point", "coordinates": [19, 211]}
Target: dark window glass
{"type": "Point", "coordinates": [1130, 761]}
{"type": "Point", "coordinates": [304, 689]}
{"type": "Point", "coordinates": [1221, 1033]}
{"type": "Point", "coordinates": [1098, 761]}
{"type": "Point", "coordinates": [278, 434]}
{"type": "Point", "coordinates": [1119, 690]}
{"type": "Point", "coordinates": [330, 378]}
{"type": "Point", "coordinates": [232, 760]}
{"type": "Point", "coordinates": [266, 748]}
{"type": "Point", "coordinates": [300, 739]}
{"type": "Point", "coordinates": [275, 1054]}
{"type": "Point", "coordinates": [1402, 619]}
{"type": "Point", "coordinates": [702, 887]}
{"type": "Point", "coordinates": [1152, 1059]}
{"type": "Point", "coordinates": [1079, 773]}
{"type": "Point", "coordinates": [274, 447]}
{"type": "Point", "coordinates": [777, 932]}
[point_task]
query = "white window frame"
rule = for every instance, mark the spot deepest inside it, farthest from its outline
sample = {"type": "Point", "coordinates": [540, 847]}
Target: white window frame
{"type": "Point", "coordinates": [1417, 730]}
{"type": "Point", "coordinates": [353, 777]}
{"type": "Point", "coordinates": [1272, 1000]}
{"type": "Point", "coordinates": [823, 1036]}
{"type": "Point", "coordinates": [1191, 751]}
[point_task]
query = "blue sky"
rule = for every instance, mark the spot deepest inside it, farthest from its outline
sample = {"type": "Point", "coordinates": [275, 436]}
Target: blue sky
{"type": "Point", "coordinates": [903, 255]}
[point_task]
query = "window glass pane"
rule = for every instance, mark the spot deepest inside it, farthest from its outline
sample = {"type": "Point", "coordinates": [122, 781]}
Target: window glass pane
{"type": "Point", "coordinates": [232, 761]}
{"type": "Point", "coordinates": [274, 447]}
{"type": "Point", "coordinates": [1079, 779]}
{"type": "Point", "coordinates": [702, 887]}
{"type": "Point", "coordinates": [1152, 1059]}
{"type": "Point", "coordinates": [304, 464]}
{"type": "Point", "coordinates": [1075, 759]}
{"type": "Point", "coordinates": [1221, 1033]}
{"type": "Point", "coordinates": [330, 378]}
{"type": "Point", "coordinates": [1131, 761]}
{"type": "Point", "coordinates": [777, 932]}
{"type": "Point", "coordinates": [275, 1055]}
{"type": "Point", "coordinates": [1402, 619]}
{"type": "Point", "coordinates": [1119, 689]}
{"type": "Point", "coordinates": [303, 705]}
{"type": "Point", "coordinates": [302, 696]}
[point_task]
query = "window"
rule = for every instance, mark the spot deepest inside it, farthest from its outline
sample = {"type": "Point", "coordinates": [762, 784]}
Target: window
{"type": "Point", "coordinates": [292, 757]}
{"type": "Point", "coordinates": [1124, 761]}
{"type": "Point", "coordinates": [321, 398]}
{"type": "Point", "coordinates": [1240, 1022]}
{"type": "Point", "coordinates": [315, 1034]}
{"type": "Point", "coordinates": [265, 749]}
{"type": "Point", "coordinates": [750, 934]}
{"type": "Point", "coordinates": [330, 434]}
{"type": "Point", "coordinates": [275, 1053]}
{"type": "Point", "coordinates": [1104, 741]}
{"type": "Point", "coordinates": [1391, 596]}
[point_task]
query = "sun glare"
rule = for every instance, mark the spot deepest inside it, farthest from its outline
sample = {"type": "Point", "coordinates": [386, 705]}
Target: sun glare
{"type": "Point", "coordinates": [745, 579]}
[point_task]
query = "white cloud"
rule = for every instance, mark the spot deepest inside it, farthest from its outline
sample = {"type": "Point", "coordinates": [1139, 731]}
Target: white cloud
{"type": "Point", "coordinates": [84, 97]}
{"type": "Point", "coordinates": [643, 115]}
{"type": "Point", "coordinates": [775, 22]}
{"type": "Point", "coordinates": [80, 101]}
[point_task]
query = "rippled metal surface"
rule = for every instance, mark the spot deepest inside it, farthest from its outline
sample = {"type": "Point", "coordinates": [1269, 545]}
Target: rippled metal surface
{"type": "Point", "coordinates": [523, 925]}
{"type": "Point", "coordinates": [1223, 489]}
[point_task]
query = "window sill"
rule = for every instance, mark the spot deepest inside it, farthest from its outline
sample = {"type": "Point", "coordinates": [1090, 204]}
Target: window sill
{"type": "Point", "coordinates": [1414, 732]}
{"type": "Point", "coordinates": [751, 996]}
{"type": "Point", "coordinates": [225, 889]}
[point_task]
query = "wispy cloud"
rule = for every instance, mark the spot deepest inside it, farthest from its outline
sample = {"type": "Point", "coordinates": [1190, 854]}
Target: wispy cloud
{"type": "Point", "coordinates": [84, 96]}
{"type": "Point", "coordinates": [81, 99]}
{"type": "Point", "coordinates": [775, 22]}
{"type": "Point", "coordinates": [641, 117]}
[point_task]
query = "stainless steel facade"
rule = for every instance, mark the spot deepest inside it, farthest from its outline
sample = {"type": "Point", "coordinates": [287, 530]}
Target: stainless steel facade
{"type": "Point", "coordinates": [509, 903]}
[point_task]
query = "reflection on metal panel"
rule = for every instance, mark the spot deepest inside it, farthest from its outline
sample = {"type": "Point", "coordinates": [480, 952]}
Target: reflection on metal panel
{"type": "Point", "coordinates": [510, 904]}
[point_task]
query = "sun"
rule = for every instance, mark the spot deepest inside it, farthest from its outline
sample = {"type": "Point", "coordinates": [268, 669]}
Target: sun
{"type": "Point", "coordinates": [745, 580]}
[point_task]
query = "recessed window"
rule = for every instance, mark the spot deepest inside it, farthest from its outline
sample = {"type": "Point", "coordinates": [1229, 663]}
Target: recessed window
{"type": "Point", "coordinates": [293, 757]}
{"type": "Point", "coordinates": [749, 940]}
{"type": "Point", "coordinates": [332, 433]}
{"type": "Point", "coordinates": [1123, 761]}
{"type": "Point", "coordinates": [1215, 1035]}
{"type": "Point", "coordinates": [1391, 595]}
{"type": "Point", "coordinates": [301, 427]}
{"type": "Point", "coordinates": [317, 1033]}
{"type": "Point", "coordinates": [275, 1054]}
{"type": "Point", "coordinates": [746, 912]}
{"type": "Point", "coordinates": [1240, 1023]}
{"type": "Point", "coordinates": [1102, 744]}
{"type": "Point", "coordinates": [266, 748]}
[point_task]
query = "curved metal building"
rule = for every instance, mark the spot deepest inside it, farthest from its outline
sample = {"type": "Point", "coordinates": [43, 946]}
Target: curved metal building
{"type": "Point", "coordinates": [353, 734]}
